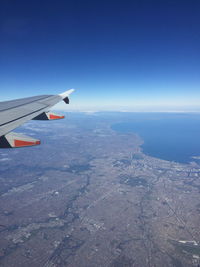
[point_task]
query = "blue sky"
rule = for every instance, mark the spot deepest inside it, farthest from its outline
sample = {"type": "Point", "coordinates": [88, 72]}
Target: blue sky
{"type": "Point", "coordinates": [118, 55]}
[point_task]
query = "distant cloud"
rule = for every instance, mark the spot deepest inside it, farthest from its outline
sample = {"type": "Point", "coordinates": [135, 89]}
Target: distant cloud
{"type": "Point", "coordinates": [5, 159]}
{"type": "Point", "coordinates": [135, 107]}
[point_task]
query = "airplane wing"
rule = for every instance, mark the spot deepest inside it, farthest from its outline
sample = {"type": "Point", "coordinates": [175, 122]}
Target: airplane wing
{"type": "Point", "coordinates": [16, 112]}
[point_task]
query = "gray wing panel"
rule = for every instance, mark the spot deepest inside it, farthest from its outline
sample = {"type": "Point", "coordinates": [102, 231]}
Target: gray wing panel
{"type": "Point", "coordinates": [19, 102]}
{"type": "Point", "coordinates": [15, 113]}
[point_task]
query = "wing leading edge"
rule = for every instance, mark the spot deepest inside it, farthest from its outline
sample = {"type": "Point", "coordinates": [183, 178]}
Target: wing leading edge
{"type": "Point", "coordinates": [16, 112]}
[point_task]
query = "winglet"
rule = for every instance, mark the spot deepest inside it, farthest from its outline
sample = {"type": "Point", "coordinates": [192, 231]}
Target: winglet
{"type": "Point", "coordinates": [66, 93]}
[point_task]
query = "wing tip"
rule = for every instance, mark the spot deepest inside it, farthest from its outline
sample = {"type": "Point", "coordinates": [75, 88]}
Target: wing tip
{"type": "Point", "coordinates": [66, 93]}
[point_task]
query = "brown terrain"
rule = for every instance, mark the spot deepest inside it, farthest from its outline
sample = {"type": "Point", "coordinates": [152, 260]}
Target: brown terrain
{"type": "Point", "coordinates": [89, 196]}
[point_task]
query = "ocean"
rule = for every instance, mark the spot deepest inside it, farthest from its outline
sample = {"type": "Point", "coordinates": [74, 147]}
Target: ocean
{"type": "Point", "coordinates": [169, 136]}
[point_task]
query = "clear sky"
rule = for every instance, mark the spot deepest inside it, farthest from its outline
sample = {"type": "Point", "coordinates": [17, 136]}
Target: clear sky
{"type": "Point", "coordinates": [118, 55]}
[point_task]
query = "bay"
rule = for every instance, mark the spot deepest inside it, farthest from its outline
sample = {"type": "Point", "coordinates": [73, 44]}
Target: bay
{"type": "Point", "coordinates": [169, 136]}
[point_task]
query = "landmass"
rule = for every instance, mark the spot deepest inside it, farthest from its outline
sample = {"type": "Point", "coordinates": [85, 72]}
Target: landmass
{"type": "Point", "coordinates": [89, 196]}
